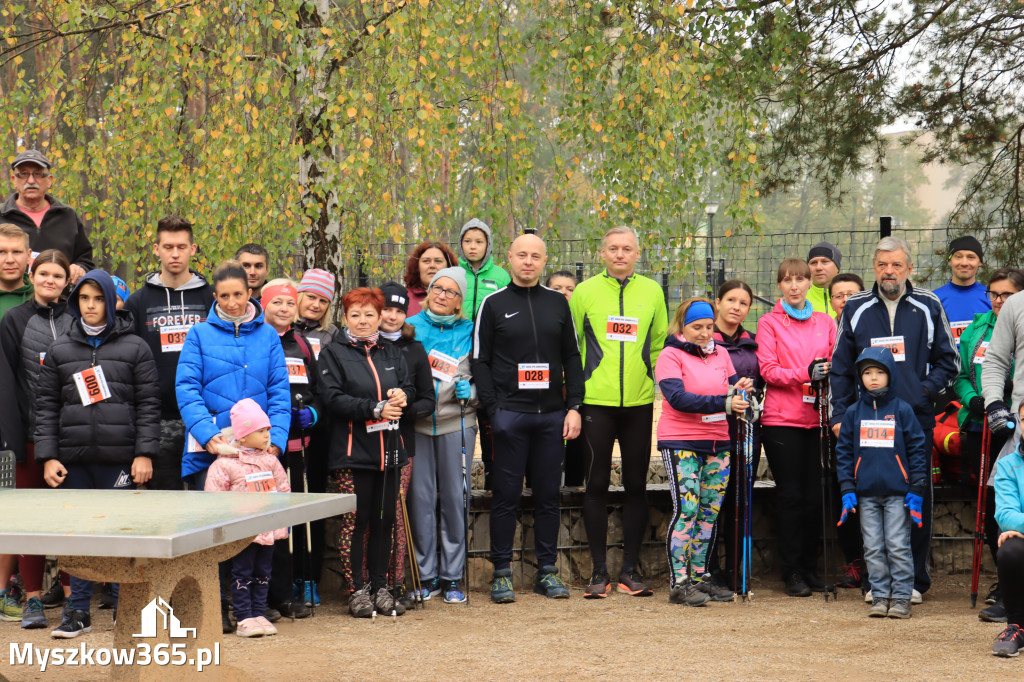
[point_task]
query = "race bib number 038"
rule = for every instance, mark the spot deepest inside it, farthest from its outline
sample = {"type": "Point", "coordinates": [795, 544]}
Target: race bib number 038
{"type": "Point", "coordinates": [92, 385]}
{"type": "Point", "coordinates": [622, 328]}
{"type": "Point", "coordinates": [172, 337]}
{"type": "Point", "coordinates": [895, 345]}
{"type": "Point", "coordinates": [877, 433]}
{"type": "Point", "coordinates": [261, 482]}
{"type": "Point", "coordinates": [534, 376]}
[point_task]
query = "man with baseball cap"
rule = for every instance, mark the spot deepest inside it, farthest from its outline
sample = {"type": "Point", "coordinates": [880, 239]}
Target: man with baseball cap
{"type": "Point", "coordinates": [963, 296]}
{"type": "Point", "coordinates": [824, 260]}
{"type": "Point", "coordinates": [49, 223]}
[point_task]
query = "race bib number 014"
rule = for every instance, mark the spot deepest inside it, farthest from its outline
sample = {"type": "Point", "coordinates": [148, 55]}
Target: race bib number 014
{"type": "Point", "coordinates": [534, 376]}
{"type": "Point", "coordinates": [895, 345]}
{"type": "Point", "coordinates": [877, 433]}
{"type": "Point", "coordinates": [92, 385]}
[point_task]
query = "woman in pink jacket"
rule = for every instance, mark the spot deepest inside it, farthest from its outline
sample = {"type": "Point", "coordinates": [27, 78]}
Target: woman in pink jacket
{"type": "Point", "coordinates": [794, 347]}
{"type": "Point", "coordinates": [246, 466]}
{"type": "Point", "coordinates": [699, 386]}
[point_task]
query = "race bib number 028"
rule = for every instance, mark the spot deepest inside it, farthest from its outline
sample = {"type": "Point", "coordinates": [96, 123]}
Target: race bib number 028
{"type": "Point", "coordinates": [92, 385]}
{"type": "Point", "coordinates": [534, 376]}
{"type": "Point", "coordinates": [895, 345]}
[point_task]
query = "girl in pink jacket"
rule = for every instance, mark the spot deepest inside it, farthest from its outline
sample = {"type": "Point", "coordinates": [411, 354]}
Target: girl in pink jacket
{"type": "Point", "coordinates": [794, 349]}
{"type": "Point", "coordinates": [246, 466]}
{"type": "Point", "coordinates": [699, 386]}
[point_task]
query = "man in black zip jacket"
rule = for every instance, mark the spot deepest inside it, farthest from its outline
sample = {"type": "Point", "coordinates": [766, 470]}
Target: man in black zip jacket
{"type": "Point", "coordinates": [165, 308]}
{"type": "Point", "coordinates": [524, 344]}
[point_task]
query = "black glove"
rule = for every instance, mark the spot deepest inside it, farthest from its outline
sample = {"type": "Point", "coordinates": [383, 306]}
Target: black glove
{"type": "Point", "coordinates": [999, 417]}
{"type": "Point", "coordinates": [977, 407]}
{"type": "Point", "coordinates": [818, 369]}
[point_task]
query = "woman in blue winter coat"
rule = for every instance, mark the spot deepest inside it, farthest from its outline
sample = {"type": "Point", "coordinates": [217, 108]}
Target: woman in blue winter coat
{"type": "Point", "coordinates": [440, 468]}
{"type": "Point", "coordinates": [231, 356]}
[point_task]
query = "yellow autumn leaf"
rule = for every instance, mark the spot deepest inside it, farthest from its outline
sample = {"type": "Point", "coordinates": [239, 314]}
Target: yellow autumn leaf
{"type": "Point", "coordinates": [351, 111]}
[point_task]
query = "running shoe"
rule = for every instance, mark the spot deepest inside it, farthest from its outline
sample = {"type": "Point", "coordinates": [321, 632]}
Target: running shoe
{"type": "Point", "coordinates": [598, 587]}
{"type": "Point", "coordinates": [631, 582]}
{"type": "Point", "coordinates": [453, 594]}
{"type": "Point", "coordinates": [899, 608]}
{"type": "Point", "coordinates": [73, 623]}
{"type": "Point", "coordinates": [250, 627]}
{"type": "Point", "coordinates": [501, 586]}
{"type": "Point", "coordinates": [852, 575]}
{"type": "Point", "coordinates": [549, 584]}
{"type": "Point", "coordinates": [386, 604]}
{"type": "Point", "coordinates": [797, 587]}
{"type": "Point", "coordinates": [267, 627]}
{"type": "Point", "coordinates": [879, 608]}
{"type": "Point", "coordinates": [916, 597]}
{"type": "Point", "coordinates": [993, 614]}
{"type": "Point", "coordinates": [54, 596]}
{"type": "Point", "coordinates": [10, 609]}
{"type": "Point", "coordinates": [430, 588]}
{"type": "Point", "coordinates": [814, 582]}
{"type": "Point", "coordinates": [1009, 642]}
{"type": "Point", "coordinates": [33, 615]}
{"type": "Point", "coordinates": [360, 604]}
{"type": "Point", "coordinates": [714, 590]}
{"type": "Point", "coordinates": [689, 594]}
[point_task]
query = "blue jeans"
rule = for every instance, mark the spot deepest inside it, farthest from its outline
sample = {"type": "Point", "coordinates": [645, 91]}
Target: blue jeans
{"type": "Point", "coordinates": [885, 524]}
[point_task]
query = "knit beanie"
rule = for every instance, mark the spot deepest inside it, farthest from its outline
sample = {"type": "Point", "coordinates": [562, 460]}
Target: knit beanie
{"type": "Point", "coordinates": [319, 282]}
{"type": "Point", "coordinates": [395, 296]}
{"type": "Point", "coordinates": [458, 275]}
{"type": "Point", "coordinates": [827, 250]}
{"type": "Point", "coordinates": [248, 417]}
{"type": "Point", "coordinates": [966, 243]}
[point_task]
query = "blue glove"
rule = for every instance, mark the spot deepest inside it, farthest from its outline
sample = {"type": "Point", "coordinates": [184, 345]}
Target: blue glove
{"type": "Point", "coordinates": [463, 390]}
{"type": "Point", "coordinates": [849, 505]}
{"type": "Point", "coordinates": [914, 503]}
{"type": "Point", "coordinates": [303, 418]}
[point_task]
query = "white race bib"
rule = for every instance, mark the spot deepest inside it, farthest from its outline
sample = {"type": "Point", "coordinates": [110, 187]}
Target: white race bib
{"type": "Point", "coordinates": [622, 328]}
{"type": "Point", "coordinates": [877, 433]}
{"type": "Point", "coordinates": [315, 345]}
{"type": "Point", "coordinates": [261, 482]}
{"type": "Point", "coordinates": [979, 355]}
{"type": "Point", "coordinates": [443, 367]}
{"type": "Point", "coordinates": [192, 445]}
{"type": "Point", "coordinates": [296, 371]}
{"type": "Point", "coordinates": [534, 376]}
{"type": "Point", "coordinates": [375, 426]}
{"type": "Point", "coordinates": [712, 418]}
{"type": "Point", "coordinates": [958, 330]}
{"type": "Point", "coordinates": [92, 385]}
{"type": "Point", "coordinates": [172, 337]}
{"type": "Point", "coordinates": [895, 345]}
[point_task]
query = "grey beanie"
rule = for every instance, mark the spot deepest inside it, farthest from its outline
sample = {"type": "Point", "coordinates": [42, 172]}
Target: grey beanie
{"type": "Point", "coordinates": [458, 275]}
{"type": "Point", "coordinates": [827, 250]}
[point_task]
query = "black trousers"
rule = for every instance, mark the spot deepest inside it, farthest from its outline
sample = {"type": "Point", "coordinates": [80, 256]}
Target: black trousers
{"type": "Point", "coordinates": [375, 516]}
{"type": "Point", "coordinates": [602, 425]}
{"type": "Point", "coordinates": [1010, 564]}
{"type": "Point", "coordinates": [795, 459]}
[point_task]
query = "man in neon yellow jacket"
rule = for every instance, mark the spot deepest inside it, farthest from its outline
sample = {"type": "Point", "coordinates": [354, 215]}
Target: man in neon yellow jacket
{"type": "Point", "coordinates": [621, 324]}
{"type": "Point", "coordinates": [824, 260]}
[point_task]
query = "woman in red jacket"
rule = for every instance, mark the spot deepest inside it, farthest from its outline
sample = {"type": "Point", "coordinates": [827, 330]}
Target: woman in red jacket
{"type": "Point", "coordinates": [794, 349]}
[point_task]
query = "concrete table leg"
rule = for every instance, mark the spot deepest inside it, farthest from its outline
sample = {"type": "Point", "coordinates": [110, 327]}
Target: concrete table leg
{"type": "Point", "coordinates": [189, 584]}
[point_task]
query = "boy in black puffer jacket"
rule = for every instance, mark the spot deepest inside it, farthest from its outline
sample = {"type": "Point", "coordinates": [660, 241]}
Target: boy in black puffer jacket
{"type": "Point", "coordinates": [97, 411]}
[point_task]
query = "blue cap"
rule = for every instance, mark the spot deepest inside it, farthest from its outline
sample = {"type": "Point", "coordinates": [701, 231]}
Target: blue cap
{"type": "Point", "coordinates": [122, 287]}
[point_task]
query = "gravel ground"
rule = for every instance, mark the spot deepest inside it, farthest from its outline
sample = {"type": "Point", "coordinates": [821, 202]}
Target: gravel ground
{"type": "Point", "coordinates": [772, 637]}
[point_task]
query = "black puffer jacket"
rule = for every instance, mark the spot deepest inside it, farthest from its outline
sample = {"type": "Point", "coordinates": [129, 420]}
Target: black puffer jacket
{"type": "Point", "coordinates": [112, 431]}
{"type": "Point", "coordinates": [419, 373]}
{"type": "Point", "coordinates": [26, 333]}
{"type": "Point", "coordinates": [354, 378]}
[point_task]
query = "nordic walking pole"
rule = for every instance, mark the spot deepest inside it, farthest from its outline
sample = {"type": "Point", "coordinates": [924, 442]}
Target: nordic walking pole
{"type": "Point", "coordinates": [748, 537]}
{"type": "Point", "coordinates": [414, 568]}
{"type": "Point", "coordinates": [737, 482]}
{"type": "Point", "coordinates": [465, 498]}
{"type": "Point", "coordinates": [394, 527]}
{"type": "Point", "coordinates": [826, 488]}
{"type": "Point", "coordinates": [979, 512]}
{"type": "Point", "coordinates": [309, 533]}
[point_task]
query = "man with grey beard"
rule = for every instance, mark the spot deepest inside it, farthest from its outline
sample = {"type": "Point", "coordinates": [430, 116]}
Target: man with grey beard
{"type": "Point", "coordinates": [911, 323]}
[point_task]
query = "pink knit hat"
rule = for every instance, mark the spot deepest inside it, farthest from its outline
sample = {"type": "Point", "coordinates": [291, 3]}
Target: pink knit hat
{"type": "Point", "coordinates": [319, 282]}
{"type": "Point", "coordinates": [248, 417]}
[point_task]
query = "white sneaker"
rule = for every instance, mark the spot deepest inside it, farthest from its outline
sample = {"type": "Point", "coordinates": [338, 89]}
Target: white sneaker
{"type": "Point", "coordinates": [867, 597]}
{"type": "Point", "coordinates": [915, 597]}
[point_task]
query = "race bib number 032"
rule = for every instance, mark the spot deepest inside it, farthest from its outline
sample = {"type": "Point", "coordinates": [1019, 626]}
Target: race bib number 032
{"type": "Point", "coordinates": [534, 376]}
{"type": "Point", "coordinates": [622, 328]}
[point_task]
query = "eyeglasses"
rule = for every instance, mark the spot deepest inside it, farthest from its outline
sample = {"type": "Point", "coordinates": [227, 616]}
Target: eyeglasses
{"type": "Point", "coordinates": [24, 175]}
{"type": "Point", "coordinates": [843, 297]}
{"type": "Point", "coordinates": [441, 291]}
{"type": "Point", "coordinates": [997, 297]}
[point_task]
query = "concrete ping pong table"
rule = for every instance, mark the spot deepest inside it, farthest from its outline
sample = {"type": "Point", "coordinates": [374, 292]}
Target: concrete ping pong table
{"type": "Point", "coordinates": [159, 545]}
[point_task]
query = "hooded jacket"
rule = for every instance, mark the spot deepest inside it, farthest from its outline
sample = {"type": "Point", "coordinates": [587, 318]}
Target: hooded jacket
{"type": "Point", "coordinates": [695, 386]}
{"type": "Point", "coordinates": [785, 348]}
{"type": "Point", "coordinates": [220, 364]}
{"type": "Point", "coordinates": [26, 333]}
{"type": "Point", "coordinates": [163, 317]}
{"type": "Point", "coordinates": [1009, 485]}
{"type": "Point", "coordinates": [61, 229]}
{"type": "Point", "coordinates": [228, 473]}
{"type": "Point", "coordinates": [355, 377]}
{"type": "Point", "coordinates": [974, 343]}
{"type": "Point", "coordinates": [12, 299]}
{"type": "Point", "coordinates": [619, 373]}
{"type": "Point", "coordinates": [743, 353]}
{"type": "Point", "coordinates": [876, 460]}
{"type": "Point", "coordinates": [117, 429]}
{"type": "Point", "coordinates": [485, 280]}
{"type": "Point", "coordinates": [456, 341]}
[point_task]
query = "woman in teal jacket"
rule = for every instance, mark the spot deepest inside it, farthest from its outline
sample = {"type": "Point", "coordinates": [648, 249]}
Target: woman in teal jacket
{"type": "Point", "coordinates": [1009, 484]}
{"type": "Point", "coordinates": [230, 356]}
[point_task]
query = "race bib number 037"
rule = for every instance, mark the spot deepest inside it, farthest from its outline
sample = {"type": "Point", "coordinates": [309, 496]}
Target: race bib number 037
{"type": "Point", "coordinates": [296, 371]}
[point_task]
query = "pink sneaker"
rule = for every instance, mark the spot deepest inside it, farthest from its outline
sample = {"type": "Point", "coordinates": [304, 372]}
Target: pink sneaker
{"type": "Point", "coordinates": [268, 627]}
{"type": "Point", "coordinates": [250, 627]}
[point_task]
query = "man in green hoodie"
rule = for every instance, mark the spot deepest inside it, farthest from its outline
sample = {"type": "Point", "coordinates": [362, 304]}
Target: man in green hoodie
{"type": "Point", "coordinates": [15, 287]}
{"type": "Point", "coordinates": [483, 276]}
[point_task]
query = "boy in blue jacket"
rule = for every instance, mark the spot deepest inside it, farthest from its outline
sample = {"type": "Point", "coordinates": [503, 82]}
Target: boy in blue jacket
{"type": "Point", "coordinates": [883, 466]}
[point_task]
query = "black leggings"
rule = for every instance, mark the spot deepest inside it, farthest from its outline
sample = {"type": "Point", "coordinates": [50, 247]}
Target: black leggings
{"type": "Point", "coordinates": [1010, 564]}
{"type": "Point", "coordinates": [795, 459]}
{"type": "Point", "coordinates": [601, 426]}
{"type": "Point", "coordinates": [375, 518]}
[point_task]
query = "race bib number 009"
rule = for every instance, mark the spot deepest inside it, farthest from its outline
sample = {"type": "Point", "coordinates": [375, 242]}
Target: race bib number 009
{"type": "Point", "coordinates": [261, 482]}
{"type": "Point", "coordinates": [534, 376]}
{"type": "Point", "coordinates": [877, 433]}
{"type": "Point", "coordinates": [92, 385]}
{"type": "Point", "coordinates": [622, 328]}
{"type": "Point", "coordinates": [895, 345]}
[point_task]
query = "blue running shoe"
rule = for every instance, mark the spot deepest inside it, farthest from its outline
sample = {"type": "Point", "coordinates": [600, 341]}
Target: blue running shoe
{"type": "Point", "coordinates": [430, 588]}
{"type": "Point", "coordinates": [453, 594]}
{"type": "Point", "coordinates": [33, 615]}
{"type": "Point", "coordinates": [549, 584]}
{"type": "Point", "coordinates": [501, 587]}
